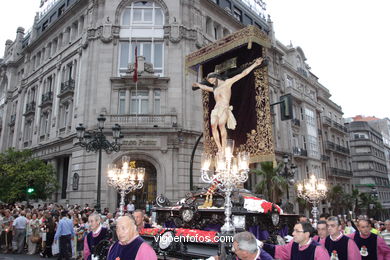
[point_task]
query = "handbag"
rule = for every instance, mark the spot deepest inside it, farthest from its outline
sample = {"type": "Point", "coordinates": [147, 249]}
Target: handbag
{"type": "Point", "coordinates": [35, 239]}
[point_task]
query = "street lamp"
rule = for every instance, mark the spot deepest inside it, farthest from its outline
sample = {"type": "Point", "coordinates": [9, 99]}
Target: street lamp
{"type": "Point", "coordinates": [288, 173]}
{"type": "Point", "coordinates": [312, 190]}
{"type": "Point", "coordinates": [125, 179]}
{"type": "Point", "coordinates": [229, 172]}
{"type": "Point", "coordinates": [96, 141]}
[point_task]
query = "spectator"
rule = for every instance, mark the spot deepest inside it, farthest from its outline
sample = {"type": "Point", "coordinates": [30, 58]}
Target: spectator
{"type": "Point", "coordinates": [130, 207]}
{"type": "Point", "coordinates": [64, 234]}
{"type": "Point", "coordinates": [386, 233]}
{"type": "Point", "coordinates": [19, 231]}
{"type": "Point", "coordinates": [33, 234]}
{"type": "Point", "coordinates": [139, 220]}
{"type": "Point", "coordinates": [7, 234]}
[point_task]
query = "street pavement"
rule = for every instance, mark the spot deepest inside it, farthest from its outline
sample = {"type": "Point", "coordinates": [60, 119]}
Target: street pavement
{"type": "Point", "coordinates": [20, 257]}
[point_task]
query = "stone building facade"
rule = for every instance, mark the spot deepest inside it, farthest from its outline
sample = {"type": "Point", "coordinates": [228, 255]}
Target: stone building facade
{"type": "Point", "coordinates": [369, 162]}
{"type": "Point", "coordinates": [78, 61]}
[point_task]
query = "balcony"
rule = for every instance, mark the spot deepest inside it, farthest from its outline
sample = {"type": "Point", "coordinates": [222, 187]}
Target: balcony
{"type": "Point", "coordinates": [299, 152]}
{"type": "Point", "coordinates": [295, 122]}
{"type": "Point", "coordinates": [341, 173]}
{"type": "Point", "coordinates": [67, 88]}
{"type": "Point", "coordinates": [47, 99]}
{"type": "Point", "coordinates": [324, 157]}
{"type": "Point", "coordinates": [143, 120]}
{"type": "Point", "coordinates": [339, 127]}
{"type": "Point", "coordinates": [326, 121]}
{"type": "Point", "coordinates": [330, 145]}
{"type": "Point", "coordinates": [12, 120]}
{"type": "Point", "coordinates": [336, 148]}
{"type": "Point", "coordinates": [342, 149]}
{"type": "Point", "coordinates": [30, 108]}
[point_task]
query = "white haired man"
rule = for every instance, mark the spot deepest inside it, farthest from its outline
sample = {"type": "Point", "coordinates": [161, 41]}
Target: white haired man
{"type": "Point", "coordinates": [93, 238]}
{"type": "Point", "coordinates": [130, 246]}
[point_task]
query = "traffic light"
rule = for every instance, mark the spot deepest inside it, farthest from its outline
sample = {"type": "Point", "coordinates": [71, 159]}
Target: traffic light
{"type": "Point", "coordinates": [30, 187]}
{"type": "Point", "coordinates": [30, 190]}
{"type": "Point", "coordinates": [286, 112]}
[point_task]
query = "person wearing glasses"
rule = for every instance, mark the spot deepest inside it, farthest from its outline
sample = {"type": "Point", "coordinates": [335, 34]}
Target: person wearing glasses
{"type": "Point", "coordinates": [302, 247]}
{"type": "Point", "coordinates": [338, 244]}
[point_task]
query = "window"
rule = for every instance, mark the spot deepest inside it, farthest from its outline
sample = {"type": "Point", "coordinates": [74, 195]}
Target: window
{"type": "Point", "coordinates": [237, 13]}
{"type": "Point", "coordinates": [142, 13]}
{"type": "Point", "coordinates": [64, 114]}
{"type": "Point", "coordinates": [142, 26]}
{"type": "Point", "coordinates": [152, 51]}
{"type": "Point", "coordinates": [45, 123]}
{"type": "Point", "coordinates": [122, 102]}
{"type": "Point", "coordinates": [157, 102]}
{"type": "Point", "coordinates": [140, 102]}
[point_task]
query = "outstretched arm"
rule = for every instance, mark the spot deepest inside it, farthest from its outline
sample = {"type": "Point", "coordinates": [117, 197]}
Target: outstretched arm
{"type": "Point", "coordinates": [246, 71]}
{"type": "Point", "coordinates": [196, 85]}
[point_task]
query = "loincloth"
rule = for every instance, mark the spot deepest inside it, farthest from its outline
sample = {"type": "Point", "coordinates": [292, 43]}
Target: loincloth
{"type": "Point", "coordinates": [220, 110]}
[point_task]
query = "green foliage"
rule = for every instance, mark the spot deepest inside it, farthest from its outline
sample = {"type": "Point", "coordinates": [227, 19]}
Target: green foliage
{"type": "Point", "coordinates": [19, 171]}
{"type": "Point", "coordinates": [272, 184]}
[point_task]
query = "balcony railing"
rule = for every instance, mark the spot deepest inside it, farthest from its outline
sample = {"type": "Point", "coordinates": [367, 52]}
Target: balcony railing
{"type": "Point", "coordinates": [67, 87]}
{"type": "Point", "coordinates": [47, 99]}
{"type": "Point", "coordinates": [330, 145]}
{"type": "Point", "coordinates": [337, 148]}
{"type": "Point", "coordinates": [342, 149]}
{"type": "Point", "coordinates": [12, 120]}
{"type": "Point", "coordinates": [326, 121]}
{"type": "Point", "coordinates": [324, 157]}
{"type": "Point", "coordinates": [340, 127]}
{"type": "Point", "coordinates": [30, 108]}
{"type": "Point", "coordinates": [145, 120]}
{"type": "Point", "coordinates": [340, 172]}
{"type": "Point", "coordinates": [299, 152]}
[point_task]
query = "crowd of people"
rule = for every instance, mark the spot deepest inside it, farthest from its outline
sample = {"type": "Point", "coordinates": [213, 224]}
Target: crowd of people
{"type": "Point", "coordinates": [75, 232]}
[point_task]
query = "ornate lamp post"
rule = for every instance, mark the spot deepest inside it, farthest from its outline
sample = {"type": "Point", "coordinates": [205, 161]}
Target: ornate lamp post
{"type": "Point", "coordinates": [125, 179]}
{"type": "Point", "coordinates": [229, 172]}
{"type": "Point", "coordinates": [312, 190]}
{"type": "Point", "coordinates": [288, 173]}
{"type": "Point", "coordinates": [96, 141]}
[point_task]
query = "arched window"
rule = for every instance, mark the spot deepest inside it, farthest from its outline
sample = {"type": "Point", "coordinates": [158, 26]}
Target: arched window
{"type": "Point", "coordinates": [142, 26]}
{"type": "Point", "coordinates": [299, 62]}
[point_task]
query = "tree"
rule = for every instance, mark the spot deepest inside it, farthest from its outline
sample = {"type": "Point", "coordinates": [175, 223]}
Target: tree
{"type": "Point", "coordinates": [272, 184]}
{"type": "Point", "coordinates": [19, 172]}
{"type": "Point", "coordinates": [372, 205]}
{"type": "Point", "coordinates": [336, 197]}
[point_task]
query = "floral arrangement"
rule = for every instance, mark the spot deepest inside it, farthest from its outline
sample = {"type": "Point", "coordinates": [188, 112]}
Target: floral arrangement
{"type": "Point", "coordinates": [260, 205]}
{"type": "Point", "coordinates": [198, 235]}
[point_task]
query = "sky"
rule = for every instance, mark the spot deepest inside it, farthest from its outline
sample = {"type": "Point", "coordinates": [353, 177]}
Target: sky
{"type": "Point", "coordinates": [346, 43]}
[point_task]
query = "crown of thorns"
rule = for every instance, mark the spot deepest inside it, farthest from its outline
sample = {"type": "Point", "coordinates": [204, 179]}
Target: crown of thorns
{"type": "Point", "coordinates": [213, 75]}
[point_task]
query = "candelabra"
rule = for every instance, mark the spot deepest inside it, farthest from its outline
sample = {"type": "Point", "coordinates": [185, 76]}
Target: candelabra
{"type": "Point", "coordinates": [125, 179]}
{"type": "Point", "coordinates": [312, 190]}
{"type": "Point", "coordinates": [229, 172]}
{"type": "Point", "coordinates": [96, 141]}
